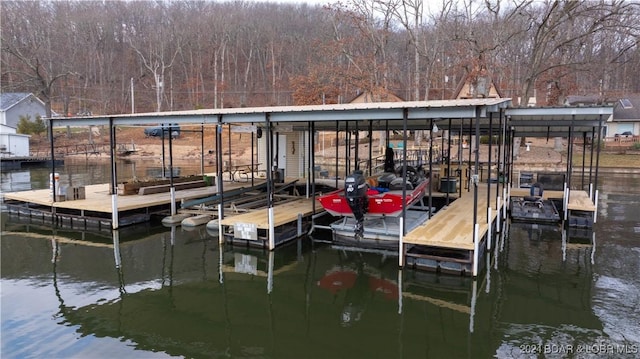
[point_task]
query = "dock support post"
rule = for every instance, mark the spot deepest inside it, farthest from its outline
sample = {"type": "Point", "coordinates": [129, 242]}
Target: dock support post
{"type": "Point", "coordinates": [114, 211]}
{"type": "Point", "coordinates": [566, 201]}
{"type": "Point", "coordinates": [272, 234]}
{"type": "Point", "coordinates": [173, 201]}
{"type": "Point", "coordinates": [476, 240]}
{"type": "Point", "coordinates": [401, 244]}
{"type": "Point", "coordinates": [299, 224]}
{"type": "Point", "coordinates": [505, 204]}
{"type": "Point", "coordinates": [489, 229]}
{"type": "Point", "coordinates": [590, 190]}
{"type": "Point", "coordinates": [499, 214]}
{"type": "Point", "coordinates": [595, 212]}
{"type": "Point", "coordinates": [220, 235]}
{"type": "Point", "coordinates": [114, 176]}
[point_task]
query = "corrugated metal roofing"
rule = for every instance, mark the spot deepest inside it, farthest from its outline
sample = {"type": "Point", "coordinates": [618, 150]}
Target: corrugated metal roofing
{"type": "Point", "coordinates": [548, 121]}
{"type": "Point", "coordinates": [321, 113]}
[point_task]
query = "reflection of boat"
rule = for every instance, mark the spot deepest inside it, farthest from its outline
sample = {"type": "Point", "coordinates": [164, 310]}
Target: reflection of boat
{"type": "Point", "coordinates": [357, 283]}
{"type": "Point", "coordinates": [384, 286]}
{"type": "Point", "coordinates": [337, 280]}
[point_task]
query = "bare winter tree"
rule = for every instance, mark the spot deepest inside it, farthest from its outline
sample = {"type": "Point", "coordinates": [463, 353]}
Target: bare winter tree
{"type": "Point", "coordinates": [151, 33]}
{"type": "Point", "coordinates": [34, 52]}
{"type": "Point", "coordinates": [81, 56]}
{"type": "Point", "coordinates": [561, 32]}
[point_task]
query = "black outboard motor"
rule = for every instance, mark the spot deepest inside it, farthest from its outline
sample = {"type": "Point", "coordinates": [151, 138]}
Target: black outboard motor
{"type": "Point", "coordinates": [355, 191]}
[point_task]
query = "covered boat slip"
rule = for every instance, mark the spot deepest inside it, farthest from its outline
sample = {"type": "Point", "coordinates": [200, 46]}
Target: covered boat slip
{"type": "Point", "coordinates": [568, 122]}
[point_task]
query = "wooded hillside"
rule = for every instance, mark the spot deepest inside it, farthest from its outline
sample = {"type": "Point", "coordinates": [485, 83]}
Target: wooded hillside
{"type": "Point", "coordinates": [108, 57]}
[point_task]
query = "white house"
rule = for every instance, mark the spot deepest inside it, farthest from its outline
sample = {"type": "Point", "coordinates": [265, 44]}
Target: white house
{"type": "Point", "coordinates": [13, 144]}
{"type": "Point", "coordinates": [625, 120]}
{"type": "Point", "coordinates": [626, 117]}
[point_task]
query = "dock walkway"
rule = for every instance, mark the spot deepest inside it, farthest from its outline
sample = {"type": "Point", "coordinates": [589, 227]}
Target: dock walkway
{"type": "Point", "coordinates": [452, 226]}
{"type": "Point", "coordinates": [281, 215]}
{"type": "Point", "coordinates": [98, 198]}
{"type": "Point", "coordinates": [578, 199]}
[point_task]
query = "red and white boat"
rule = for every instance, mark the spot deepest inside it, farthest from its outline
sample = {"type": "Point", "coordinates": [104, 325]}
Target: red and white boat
{"type": "Point", "coordinates": [389, 203]}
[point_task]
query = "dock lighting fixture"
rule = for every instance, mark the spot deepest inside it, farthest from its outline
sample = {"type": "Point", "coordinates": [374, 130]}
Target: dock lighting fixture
{"type": "Point", "coordinates": [435, 128]}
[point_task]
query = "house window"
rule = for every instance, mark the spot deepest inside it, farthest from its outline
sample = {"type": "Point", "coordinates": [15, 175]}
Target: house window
{"type": "Point", "coordinates": [626, 104]}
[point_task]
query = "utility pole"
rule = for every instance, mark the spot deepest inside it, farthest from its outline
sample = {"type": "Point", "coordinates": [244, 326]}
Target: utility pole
{"type": "Point", "coordinates": [133, 101]}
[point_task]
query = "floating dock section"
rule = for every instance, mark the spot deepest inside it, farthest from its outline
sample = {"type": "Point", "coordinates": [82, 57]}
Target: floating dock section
{"type": "Point", "coordinates": [269, 227]}
{"type": "Point", "coordinates": [579, 210]}
{"type": "Point", "coordinates": [95, 209]}
{"type": "Point", "coordinates": [449, 241]}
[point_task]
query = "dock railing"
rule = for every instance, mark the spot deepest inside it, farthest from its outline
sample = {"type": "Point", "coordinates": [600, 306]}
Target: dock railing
{"type": "Point", "coordinates": [77, 149]}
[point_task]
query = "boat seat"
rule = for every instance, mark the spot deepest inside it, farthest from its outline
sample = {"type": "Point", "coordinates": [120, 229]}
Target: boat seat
{"type": "Point", "coordinates": [531, 201]}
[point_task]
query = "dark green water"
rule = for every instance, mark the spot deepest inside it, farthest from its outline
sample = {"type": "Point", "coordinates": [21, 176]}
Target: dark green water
{"type": "Point", "coordinates": [154, 291]}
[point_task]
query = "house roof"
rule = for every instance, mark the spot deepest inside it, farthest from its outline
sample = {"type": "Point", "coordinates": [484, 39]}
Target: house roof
{"type": "Point", "coordinates": [10, 99]}
{"type": "Point", "coordinates": [627, 108]}
{"type": "Point", "coordinates": [483, 77]}
{"type": "Point", "coordinates": [380, 95]}
{"type": "Point", "coordinates": [582, 100]}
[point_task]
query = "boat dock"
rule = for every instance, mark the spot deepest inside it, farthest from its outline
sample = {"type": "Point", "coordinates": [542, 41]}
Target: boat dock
{"type": "Point", "coordinates": [449, 241]}
{"type": "Point", "coordinates": [283, 144]}
{"type": "Point", "coordinates": [290, 215]}
{"type": "Point", "coordinates": [269, 227]}
{"type": "Point", "coordinates": [96, 206]}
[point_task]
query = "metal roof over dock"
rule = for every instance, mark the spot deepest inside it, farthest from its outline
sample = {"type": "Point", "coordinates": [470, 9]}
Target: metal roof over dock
{"type": "Point", "coordinates": [530, 121]}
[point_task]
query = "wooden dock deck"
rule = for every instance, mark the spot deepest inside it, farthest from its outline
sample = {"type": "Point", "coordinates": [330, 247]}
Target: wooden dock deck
{"type": "Point", "coordinates": [98, 198]}
{"type": "Point", "coordinates": [546, 194]}
{"type": "Point", "coordinates": [452, 226]}
{"type": "Point", "coordinates": [282, 214]}
{"type": "Point", "coordinates": [578, 200]}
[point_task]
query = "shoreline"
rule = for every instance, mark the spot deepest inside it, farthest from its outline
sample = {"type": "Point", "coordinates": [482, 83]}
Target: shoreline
{"type": "Point", "coordinates": [521, 166]}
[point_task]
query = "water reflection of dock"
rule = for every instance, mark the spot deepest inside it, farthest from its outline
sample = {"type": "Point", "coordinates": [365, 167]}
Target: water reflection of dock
{"type": "Point", "coordinates": [255, 299]}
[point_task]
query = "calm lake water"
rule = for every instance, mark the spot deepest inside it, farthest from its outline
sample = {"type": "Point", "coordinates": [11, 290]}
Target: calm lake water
{"type": "Point", "coordinates": [151, 291]}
